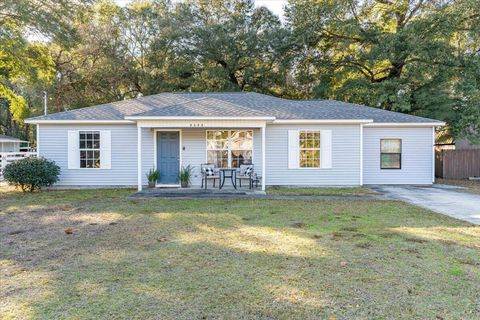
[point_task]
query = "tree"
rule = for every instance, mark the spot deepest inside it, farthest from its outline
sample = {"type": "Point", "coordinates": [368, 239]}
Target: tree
{"type": "Point", "coordinates": [412, 56]}
{"type": "Point", "coordinates": [25, 63]}
{"type": "Point", "coordinates": [236, 46]}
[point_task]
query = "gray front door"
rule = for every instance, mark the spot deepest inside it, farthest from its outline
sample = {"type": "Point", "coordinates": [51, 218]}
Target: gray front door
{"type": "Point", "coordinates": [168, 156]}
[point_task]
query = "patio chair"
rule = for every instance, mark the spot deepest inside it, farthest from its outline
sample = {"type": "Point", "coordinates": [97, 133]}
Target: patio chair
{"type": "Point", "coordinates": [246, 172]}
{"type": "Point", "coordinates": [209, 172]}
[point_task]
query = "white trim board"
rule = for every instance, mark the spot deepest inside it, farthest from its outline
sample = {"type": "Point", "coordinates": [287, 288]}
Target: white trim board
{"type": "Point", "coordinates": [33, 121]}
{"type": "Point", "coordinates": [201, 124]}
{"type": "Point", "coordinates": [38, 140]}
{"type": "Point", "coordinates": [361, 154]}
{"type": "Point", "coordinates": [405, 124]}
{"type": "Point", "coordinates": [195, 118]}
{"type": "Point", "coordinates": [322, 121]}
{"type": "Point", "coordinates": [131, 120]}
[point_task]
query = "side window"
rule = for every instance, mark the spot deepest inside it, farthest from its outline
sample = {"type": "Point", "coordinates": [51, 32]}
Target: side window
{"type": "Point", "coordinates": [89, 149]}
{"type": "Point", "coordinates": [309, 149]}
{"type": "Point", "coordinates": [390, 154]}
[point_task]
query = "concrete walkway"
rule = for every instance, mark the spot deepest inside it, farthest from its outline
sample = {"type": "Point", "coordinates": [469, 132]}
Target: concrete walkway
{"type": "Point", "coordinates": [444, 199]}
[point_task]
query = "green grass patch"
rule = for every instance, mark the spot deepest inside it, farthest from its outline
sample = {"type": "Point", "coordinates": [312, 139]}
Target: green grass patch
{"type": "Point", "coordinates": [320, 191]}
{"type": "Point", "coordinates": [94, 254]}
{"type": "Point", "coordinates": [456, 271]}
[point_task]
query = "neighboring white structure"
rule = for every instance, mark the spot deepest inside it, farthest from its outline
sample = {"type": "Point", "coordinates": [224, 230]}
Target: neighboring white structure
{"type": "Point", "coordinates": [10, 144]}
{"type": "Point", "coordinates": [10, 150]}
{"type": "Point", "coordinates": [304, 142]}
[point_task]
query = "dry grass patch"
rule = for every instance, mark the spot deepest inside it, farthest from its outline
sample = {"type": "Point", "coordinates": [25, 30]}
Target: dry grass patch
{"type": "Point", "coordinates": [472, 186]}
{"type": "Point", "coordinates": [257, 259]}
{"type": "Point", "coordinates": [321, 191]}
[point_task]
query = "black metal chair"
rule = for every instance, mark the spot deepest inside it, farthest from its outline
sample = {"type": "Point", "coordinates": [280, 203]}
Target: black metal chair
{"type": "Point", "coordinates": [246, 172]}
{"type": "Point", "coordinates": [209, 172]}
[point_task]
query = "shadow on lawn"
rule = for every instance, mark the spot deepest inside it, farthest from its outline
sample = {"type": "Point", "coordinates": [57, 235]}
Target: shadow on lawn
{"type": "Point", "coordinates": [236, 259]}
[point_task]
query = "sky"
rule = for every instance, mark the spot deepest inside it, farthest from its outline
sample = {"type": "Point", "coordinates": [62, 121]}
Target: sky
{"type": "Point", "coordinates": [276, 6]}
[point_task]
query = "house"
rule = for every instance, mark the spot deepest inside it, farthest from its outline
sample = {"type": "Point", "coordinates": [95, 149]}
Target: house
{"type": "Point", "coordinates": [290, 142]}
{"type": "Point", "coordinates": [10, 144]}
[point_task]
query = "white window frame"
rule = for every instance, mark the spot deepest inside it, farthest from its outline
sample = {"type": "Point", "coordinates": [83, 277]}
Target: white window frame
{"type": "Point", "coordinates": [229, 155]}
{"type": "Point", "coordinates": [90, 149]}
{"type": "Point", "coordinates": [399, 153]}
{"type": "Point", "coordinates": [300, 149]}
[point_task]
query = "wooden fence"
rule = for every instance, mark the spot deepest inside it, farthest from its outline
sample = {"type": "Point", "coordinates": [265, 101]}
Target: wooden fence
{"type": "Point", "coordinates": [457, 164]}
{"type": "Point", "coordinates": [7, 157]}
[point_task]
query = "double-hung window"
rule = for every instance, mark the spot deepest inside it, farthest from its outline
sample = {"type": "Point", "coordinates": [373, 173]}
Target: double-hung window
{"type": "Point", "coordinates": [229, 148]}
{"type": "Point", "coordinates": [309, 149]}
{"type": "Point", "coordinates": [390, 153]}
{"type": "Point", "coordinates": [89, 149]}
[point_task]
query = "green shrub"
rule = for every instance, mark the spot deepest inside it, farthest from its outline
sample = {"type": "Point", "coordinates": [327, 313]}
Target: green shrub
{"type": "Point", "coordinates": [185, 174]}
{"type": "Point", "coordinates": [153, 175]}
{"type": "Point", "coordinates": [31, 174]}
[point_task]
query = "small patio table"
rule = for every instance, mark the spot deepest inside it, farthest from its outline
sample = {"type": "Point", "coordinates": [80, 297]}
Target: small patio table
{"type": "Point", "coordinates": [228, 173]}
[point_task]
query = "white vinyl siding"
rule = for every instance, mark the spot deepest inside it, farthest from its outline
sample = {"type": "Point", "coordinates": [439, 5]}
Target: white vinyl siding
{"type": "Point", "coordinates": [341, 159]}
{"type": "Point", "coordinates": [193, 150]}
{"type": "Point", "coordinates": [416, 156]}
{"type": "Point", "coordinates": [123, 165]}
{"type": "Point", "coordinates": [344, 167]}
{"type": "Point", "coordinates": [148, 153]}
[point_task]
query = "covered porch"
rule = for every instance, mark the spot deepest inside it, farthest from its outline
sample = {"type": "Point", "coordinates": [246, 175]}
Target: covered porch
{"type": "Point", "coordinates": [169, 145]}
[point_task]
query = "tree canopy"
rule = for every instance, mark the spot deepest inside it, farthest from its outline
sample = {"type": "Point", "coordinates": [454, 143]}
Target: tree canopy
{"type": "Point", "coordinates": [420, 57]}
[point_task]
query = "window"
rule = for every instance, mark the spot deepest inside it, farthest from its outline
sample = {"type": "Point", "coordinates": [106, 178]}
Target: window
{"type": "Point", "coordinates": [89, 149]}
{"type": "Point", "coordinates": [309, 143]}
{"type": "Point", "coordinates": [229, 148]}
{"type": "Point", "coordinates": [390, 153]}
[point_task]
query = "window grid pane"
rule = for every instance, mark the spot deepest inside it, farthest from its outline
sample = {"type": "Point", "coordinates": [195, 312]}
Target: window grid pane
{"type": "Point", "coordinates": [390, 161]}
{"type": "Point", "coordinates": [309, 143]}
{"type": "Point", "coordinates": [229, 148]}
{"type": "Point", "coordinates": [391, 145]}
{"type": "Point", "coordinates": [89, 149]}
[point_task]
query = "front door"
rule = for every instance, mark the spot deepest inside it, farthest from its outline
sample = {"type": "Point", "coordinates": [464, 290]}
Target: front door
{"type": "Point", "coordinates": [168, 156]}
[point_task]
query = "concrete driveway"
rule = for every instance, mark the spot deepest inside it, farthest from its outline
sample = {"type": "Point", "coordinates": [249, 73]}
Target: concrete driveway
{"type": "Point", "coordinates": [443, 199]}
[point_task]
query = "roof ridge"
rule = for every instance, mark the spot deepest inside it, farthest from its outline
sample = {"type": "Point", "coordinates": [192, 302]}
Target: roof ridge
{"type": "Point", "coordinates": [234, 103]}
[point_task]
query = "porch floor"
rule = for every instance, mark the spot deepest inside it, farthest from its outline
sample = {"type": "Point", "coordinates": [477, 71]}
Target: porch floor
{"type": "Point", "coordinates": [196, 191]}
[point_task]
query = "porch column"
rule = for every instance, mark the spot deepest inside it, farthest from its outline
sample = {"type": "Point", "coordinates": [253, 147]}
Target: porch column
{"type": "Point", "coordinates": [264, 173]}
{"type": "Point", "coordinates": [139, 158]}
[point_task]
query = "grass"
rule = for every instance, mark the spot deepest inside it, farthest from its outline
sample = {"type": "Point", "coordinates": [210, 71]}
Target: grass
{"type": "Point", "coordinates": [472, 186]}
{"type": "Point", "coordinates": [131, 258]}
{"type": "Point", "coordinates": [334, 191]}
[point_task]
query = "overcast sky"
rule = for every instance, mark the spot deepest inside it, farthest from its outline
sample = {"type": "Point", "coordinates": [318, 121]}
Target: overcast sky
{"type": "Point", "coordinates": [276, 6]}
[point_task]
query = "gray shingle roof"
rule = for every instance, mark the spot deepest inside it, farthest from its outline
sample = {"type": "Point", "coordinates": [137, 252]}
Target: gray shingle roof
{"type": "Point", "coordinates": [234, 104]}
{"type": "Point", "coordinates": [202, 107]}
{"type": "Point", "coordinates": [4, 138]}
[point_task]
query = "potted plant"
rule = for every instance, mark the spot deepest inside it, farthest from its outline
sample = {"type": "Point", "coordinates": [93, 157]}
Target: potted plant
{"type": "Point", "coordinates": [152, 177]}
{"type": "Point", "coordinates": [184, 176]}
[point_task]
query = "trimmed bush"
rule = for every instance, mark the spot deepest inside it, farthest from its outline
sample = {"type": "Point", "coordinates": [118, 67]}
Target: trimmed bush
{"type": "Point", "coordinates": [31, 174]}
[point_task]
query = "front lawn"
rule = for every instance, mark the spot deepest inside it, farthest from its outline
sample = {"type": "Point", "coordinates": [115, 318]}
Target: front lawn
{"type": "Point", "coordinates": [99, 254]}
{"type": "Point", "coordinates": [321, 191]}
